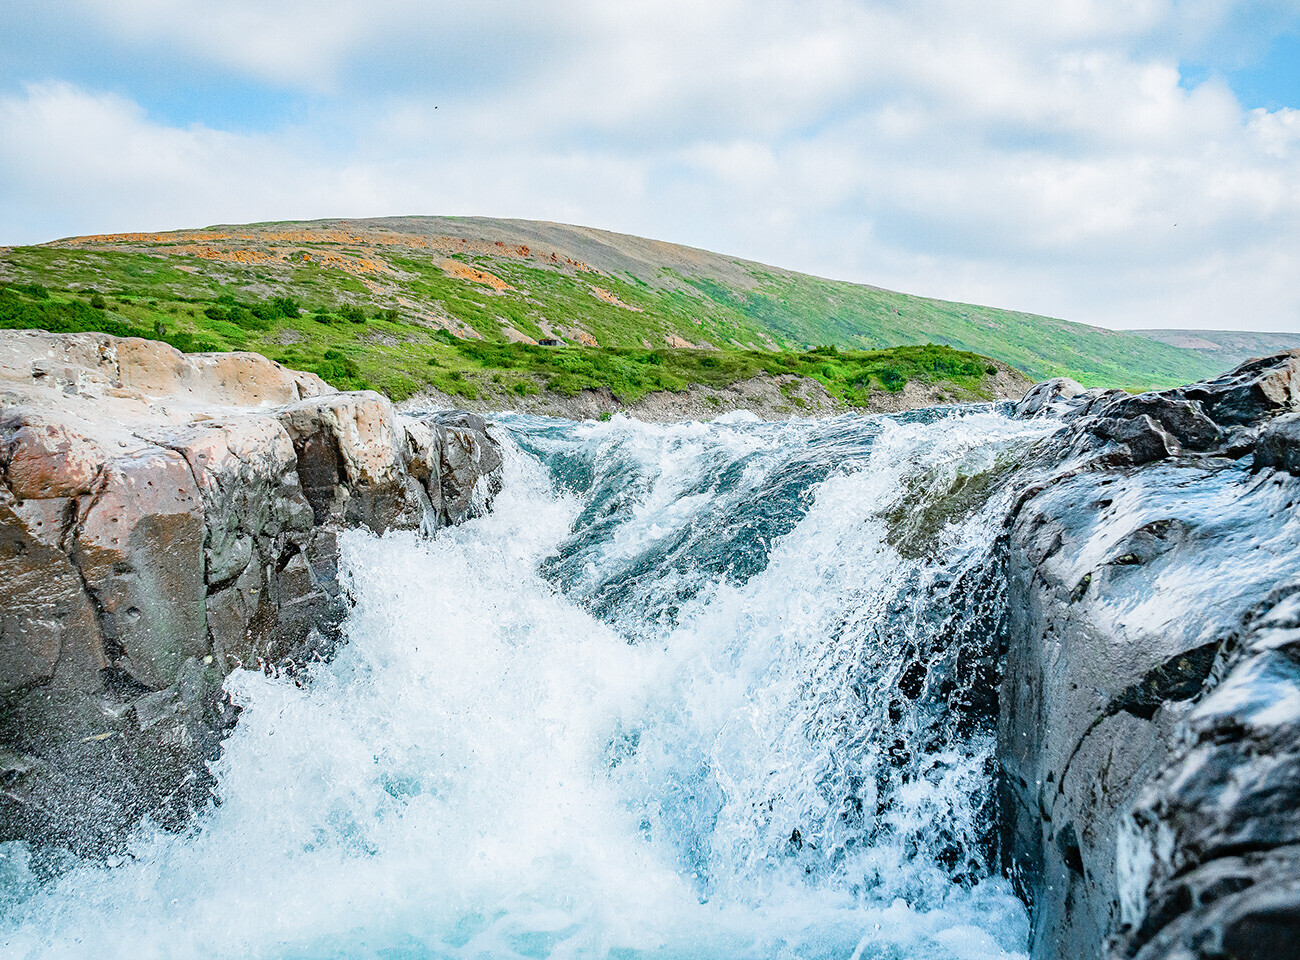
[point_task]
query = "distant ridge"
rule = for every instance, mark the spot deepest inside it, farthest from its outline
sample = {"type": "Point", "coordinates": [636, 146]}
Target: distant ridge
{"type": "Point", "coordinates": [1226, 348]}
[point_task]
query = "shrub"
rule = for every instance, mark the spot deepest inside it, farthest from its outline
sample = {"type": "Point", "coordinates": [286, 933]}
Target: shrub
{"type": "Point", "coordinates": [285, 306]}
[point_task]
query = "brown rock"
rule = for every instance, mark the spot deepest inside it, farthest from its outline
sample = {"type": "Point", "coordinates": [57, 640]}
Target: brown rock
{"type": "Point", "coordinates": [155, 533]}
{"type": "Point", "coordinates": [46, 460]}
{"type": "Point", "coordinates": [46, 618]}
{"type": "Point", "coordinates": [139, 546]}
{"type": "Point", "coordinates": [350, 460]}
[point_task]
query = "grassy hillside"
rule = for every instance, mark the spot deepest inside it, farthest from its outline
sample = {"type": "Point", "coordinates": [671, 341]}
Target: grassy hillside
{"type": "Point", "coordinates": [353, 350]}
{"type": "Point", "coordinates": [389, 301]}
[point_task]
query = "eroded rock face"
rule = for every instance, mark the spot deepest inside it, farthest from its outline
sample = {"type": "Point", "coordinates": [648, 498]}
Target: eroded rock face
{"type": "Point", "coordinates": [1149, 731]}
{"type": "Point", "coordinates": [165, 519]}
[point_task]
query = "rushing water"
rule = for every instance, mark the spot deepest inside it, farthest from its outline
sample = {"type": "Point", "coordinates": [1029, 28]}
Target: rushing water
{"type": "Point", "coordinates": [697, 690]}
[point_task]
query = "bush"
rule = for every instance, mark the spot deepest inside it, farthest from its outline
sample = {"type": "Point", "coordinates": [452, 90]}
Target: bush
{"type": "Point", "coordinates": [97, 301]}
{"type": "Point", "coordinates": [285, 306]}
{"type": "Point", "coordinates": [339, 370]}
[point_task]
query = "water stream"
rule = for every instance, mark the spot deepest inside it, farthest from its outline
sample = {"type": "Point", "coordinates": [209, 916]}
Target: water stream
{"type": "Point", "coordinates": [694, 690]}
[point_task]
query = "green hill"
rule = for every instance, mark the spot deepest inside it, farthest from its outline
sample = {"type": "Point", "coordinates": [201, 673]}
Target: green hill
{"type": "Point", "coordinates": [394, 301]}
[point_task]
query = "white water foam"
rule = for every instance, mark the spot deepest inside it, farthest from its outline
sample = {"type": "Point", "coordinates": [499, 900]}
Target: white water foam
{"type": "Point", "coordinates": [488, 770]}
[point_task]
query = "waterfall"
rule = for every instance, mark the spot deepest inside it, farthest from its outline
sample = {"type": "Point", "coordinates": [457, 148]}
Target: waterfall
{"type": "Point", "coordinates": [693, 690]}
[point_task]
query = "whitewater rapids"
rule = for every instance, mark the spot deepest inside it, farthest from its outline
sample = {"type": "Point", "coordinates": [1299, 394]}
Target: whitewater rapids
{"type": "Point", "coordinates": [646, 707]}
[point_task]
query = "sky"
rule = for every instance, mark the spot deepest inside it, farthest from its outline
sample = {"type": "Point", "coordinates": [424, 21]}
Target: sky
{"type": "Point", "coordinates": [1126, 163]}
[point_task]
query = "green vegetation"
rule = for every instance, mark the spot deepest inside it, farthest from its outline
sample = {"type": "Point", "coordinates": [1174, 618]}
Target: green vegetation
{"type": "Point", "coordinates": [630, 374]}
{"type": "Point", "coordinates": [362, 305]}
{"type": "Point", "coordinates": [379, 352]}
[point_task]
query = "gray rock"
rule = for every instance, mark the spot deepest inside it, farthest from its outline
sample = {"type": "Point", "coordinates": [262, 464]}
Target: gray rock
{"type": "Point", "coordinates": [1278, 445]}
{"type": "Point", "coordinates": [1256, 390]}
{"type": "Point", "coordinates": [1149, 724]}
{"type": "Point", "coordinates": [1050, 397]}
{"type": "Point", "coordinates": [162, 522]}
{"type": "Point", "coordinates": [1183, 419]}
{"type": "Point", "coordinates": [1231, 784]}
{"type": "Point", "coordinates": [469, 464]}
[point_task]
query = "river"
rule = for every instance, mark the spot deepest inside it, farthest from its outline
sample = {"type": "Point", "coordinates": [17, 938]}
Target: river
{"type": "Point", "coordinates": [714, 690]}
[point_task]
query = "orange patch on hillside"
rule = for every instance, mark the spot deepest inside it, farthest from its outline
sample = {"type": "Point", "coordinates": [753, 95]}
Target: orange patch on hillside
{"type": "Point", "coordinates": [601, 293]}
{"type": "Point", "coordinates": [675, 341]}
{"type": "Point", "coordinates": [176, 243]}
{"type": "Point", "coordinates": [463, 271]}
{"type": "Point", "coordinates": [584, 338]}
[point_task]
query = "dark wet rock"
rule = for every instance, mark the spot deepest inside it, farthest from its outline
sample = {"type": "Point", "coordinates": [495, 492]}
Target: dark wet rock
{"type": "Point", "coordinates": [1149, 729]}
{"type": "Point", "coordinates": [1049, 397]}
{"type": "Point", "coordinates": [165, 519]}
{"type": "Point", "coordinates": [1184, 420]}
{"type": "Point", "coordinates": [1278, 445]}
{"type": "Point", "coordinates": [1256, 390]}
{"type": "Point", "coordinates": [1208, 853]}
{"type": "Point", "coordinates": [469, 465]}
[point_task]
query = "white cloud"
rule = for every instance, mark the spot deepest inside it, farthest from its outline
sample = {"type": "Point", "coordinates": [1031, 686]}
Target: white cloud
{"type": "Point", "coordinates": [1040, 156]}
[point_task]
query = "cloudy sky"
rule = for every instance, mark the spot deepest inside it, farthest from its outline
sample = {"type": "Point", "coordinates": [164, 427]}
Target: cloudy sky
{"type": "Point", "coordinates": [1119, 162]}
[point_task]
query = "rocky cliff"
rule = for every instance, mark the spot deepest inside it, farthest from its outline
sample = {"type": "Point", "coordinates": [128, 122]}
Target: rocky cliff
{"type": "Point", "coordinates": [1149, 730]}
{"type": "Point", "coordinates": [164, 519]}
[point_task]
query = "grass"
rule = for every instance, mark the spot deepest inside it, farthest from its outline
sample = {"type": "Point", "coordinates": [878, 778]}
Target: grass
{"type": "Point", "coordinates": [353, 350]}
{"type": "Point", "coordinates": [383, 319]}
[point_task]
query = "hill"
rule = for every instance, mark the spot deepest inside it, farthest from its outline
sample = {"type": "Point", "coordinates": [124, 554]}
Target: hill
{"type": "Point", "coordinates": [1226, 348]}
{"type": "Point", "coordinates": [398, 302]}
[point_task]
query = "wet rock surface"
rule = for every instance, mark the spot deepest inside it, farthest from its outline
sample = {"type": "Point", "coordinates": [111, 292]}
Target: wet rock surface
{"type": "Point", "coordinates": [1149, 728]}
{"type": "Point", "coordinates": [165, 519]}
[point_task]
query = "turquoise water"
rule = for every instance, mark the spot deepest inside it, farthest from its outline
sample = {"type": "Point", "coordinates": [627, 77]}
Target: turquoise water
{"type": "Point", "coordinates": [648, 707]}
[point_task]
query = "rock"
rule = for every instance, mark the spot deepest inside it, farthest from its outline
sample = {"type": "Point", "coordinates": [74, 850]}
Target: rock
{"type": "Point", "coordinates": [423, 456]}
{"type": "Point", "coordinates": [44, 460]}
{"type": "Point", "coordinates": [470, 465]}
{"type": "Point", "coordinates": [1050, 397]}
{"type": "Point", "coordinates": [138, 544]}
{"type": "Point", "coordinates": [1184, 420]}
{"type": "Point", "coordinates": [1149, 713]}
{"type": "Point", "coordinates": [350, 460]}
{"type": "Point", "coordinates": [1278, 445]}
{"type": "Point", "coordinates": [1144, 438]}
{"type": "Point", "coordinates": [164, 519]}
{"type": "Point", "coordinates": [46, 617]}
{"type": "Point", "coordinates": [1256, 390]}
{"type": "Point", "coordinates": [1231, 784]}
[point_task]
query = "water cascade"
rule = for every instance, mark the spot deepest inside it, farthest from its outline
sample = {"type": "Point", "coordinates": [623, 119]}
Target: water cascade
{"type": "Point", "coordinates": [693, 690]}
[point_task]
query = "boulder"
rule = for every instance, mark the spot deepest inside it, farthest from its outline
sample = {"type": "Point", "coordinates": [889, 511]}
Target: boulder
{"type": "Point", "coordinates": [469, 467]}
{"type": "Point", "coordinates": [1184, 420]}
{"type": "Point", "coordinates": [1050, 397]}
{"type": "Point", "coordinates": [1278, 445]}
{"type": "Point", "coordinates": [1149, 712]}
{"type": "Point", "coordinates": [350, 460]}
{"type": "Point", "coordinates": [1254, 391]}
{"type": "Point", "coordinates": [164, 519]}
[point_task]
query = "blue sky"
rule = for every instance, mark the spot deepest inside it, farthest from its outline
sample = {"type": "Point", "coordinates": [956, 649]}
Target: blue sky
{"type": "Point", "coordinates": [1119, 162]}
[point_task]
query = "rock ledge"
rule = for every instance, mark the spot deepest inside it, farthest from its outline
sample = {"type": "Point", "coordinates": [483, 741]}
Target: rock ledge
{"type": "Point", "coordinates": [164, 519]}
